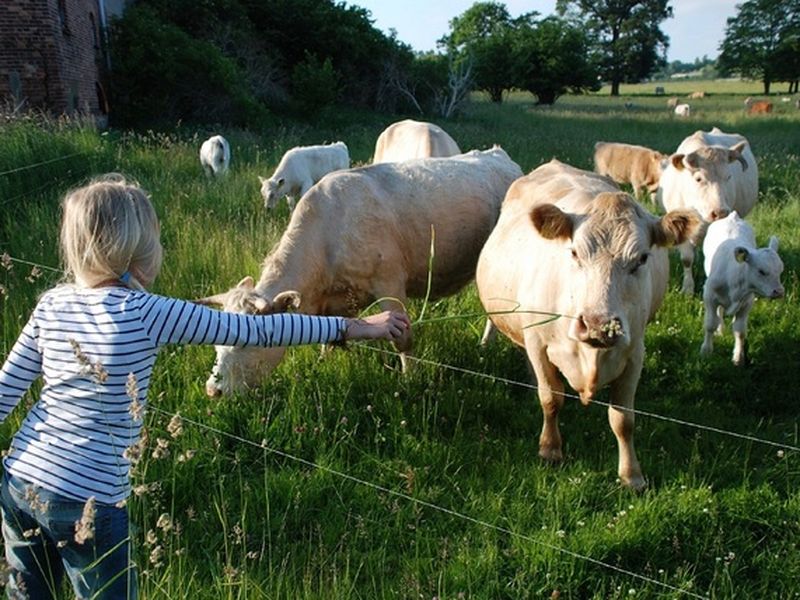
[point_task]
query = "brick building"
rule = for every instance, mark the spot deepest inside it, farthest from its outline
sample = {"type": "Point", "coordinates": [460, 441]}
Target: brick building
{"type": "Point", "coordinates": [53, 54]}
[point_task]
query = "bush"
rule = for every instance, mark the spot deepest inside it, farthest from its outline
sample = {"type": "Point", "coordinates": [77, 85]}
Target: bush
{"type": "Point", "coordinates": [314, 84]}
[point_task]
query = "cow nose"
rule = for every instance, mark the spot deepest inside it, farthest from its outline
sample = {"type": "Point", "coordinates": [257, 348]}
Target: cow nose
{"type": "Point", "coordinates": [778, 292]}
{"type": "Point", "coordinates": [719, 213]}
{"type": "Point", "coordinates": [599, 331]}
{"type": "Point", "coordinates": [213, 391]}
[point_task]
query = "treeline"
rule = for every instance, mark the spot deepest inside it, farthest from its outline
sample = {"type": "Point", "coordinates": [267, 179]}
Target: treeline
{"type": "Point", "coordinates": [240, 61]}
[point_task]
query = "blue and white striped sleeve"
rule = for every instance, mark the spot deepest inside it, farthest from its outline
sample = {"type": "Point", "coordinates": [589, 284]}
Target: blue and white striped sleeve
{"type": "Point", "coordinates": [173, 321]}
{"type": "Point", "coordinates": [22, 366]}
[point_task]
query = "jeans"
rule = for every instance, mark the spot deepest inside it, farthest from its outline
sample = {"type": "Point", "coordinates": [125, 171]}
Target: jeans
{"type": "Point", "coordinates": [39, 535]}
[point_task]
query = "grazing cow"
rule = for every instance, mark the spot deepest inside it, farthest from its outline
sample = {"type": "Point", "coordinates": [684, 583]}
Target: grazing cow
{"type": "Point", "coordinates": [696, 95]}
{"type": "Point", "coordinates": [215, 156]}
{"type": "Point", "coordinates": [714, 173]}
{"type": "Point", "coordinates": [570, 244]}
{"type": "Point", "coordinates": [673, 102]}
{"type": "Point", "coordinates": [683, 110]}
{"type": "Point", "coordinates": [300, 168]}
{"type": "Point", "coordinates": [737, 271]}
{"type": "Point", "coordinates": [659, 90]}
{"type": "Point", "coordinates": [409, 139]}
{"type": "Point", "coordinates": [626, 163]}
{"type": "Point", "coordinates": [759, 107]}
{"type": "Point", "coordinates": [364, 235]}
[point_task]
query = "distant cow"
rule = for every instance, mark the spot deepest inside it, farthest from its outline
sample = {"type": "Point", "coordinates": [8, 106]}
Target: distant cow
{"type": "Point", "coordinates": [737, 270]}
{"type": "Point", "coordinates": [365, 235]}
{"type": "Point", "coordinates": [673, 102]}
{"type": "Point", "coordinates": [683, 110]}
{"type": "Point", "coordinates": [659, 90]}
{"type": "Point", "coordinates": [714, 173]}
{"type": "Point", "coordinates": [215, 156]}
{"type": "Point", "coordinates": [696, 95]}
{"type": "Point", "coordinates": [409, 139]}
{"type": "Point", "coordinates": [760, 107]}
{"type": "Point", "coordinates": [568, 243]}
{"type": "Point", "coordinates": [627, 163]}
{"type": "Point", "coordinates": [300, 168]}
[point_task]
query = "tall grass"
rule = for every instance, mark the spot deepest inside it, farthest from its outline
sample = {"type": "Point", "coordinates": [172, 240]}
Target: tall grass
{"type": "Point", "coordinates": [721, 516]}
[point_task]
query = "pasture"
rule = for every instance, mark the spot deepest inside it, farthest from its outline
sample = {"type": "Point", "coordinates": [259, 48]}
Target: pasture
{"type": "Point", "coordinates": [340, 478]}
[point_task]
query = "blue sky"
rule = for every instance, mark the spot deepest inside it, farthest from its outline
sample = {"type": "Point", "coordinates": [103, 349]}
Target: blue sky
{"type": "Point", "coordinates": [696, 29]}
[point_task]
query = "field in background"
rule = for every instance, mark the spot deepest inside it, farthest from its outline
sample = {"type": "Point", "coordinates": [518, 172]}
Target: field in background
{"type": "Point", "coordinates": [721, 517]}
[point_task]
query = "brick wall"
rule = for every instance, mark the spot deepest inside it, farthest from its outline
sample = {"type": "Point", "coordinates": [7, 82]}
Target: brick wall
{"type": "Point", "coordinates": [51, 55]}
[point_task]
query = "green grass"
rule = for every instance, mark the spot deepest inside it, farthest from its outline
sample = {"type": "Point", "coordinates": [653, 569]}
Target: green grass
{"type": "Point", "coordinates": [721, 516]}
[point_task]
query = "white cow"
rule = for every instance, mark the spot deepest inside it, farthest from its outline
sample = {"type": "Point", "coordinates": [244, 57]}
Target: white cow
{"type": "Point", "coordinates": [570, 244]}
{"type": "Point", "coordinates": [683, 110]}
{"type": "Point", "coordinates": [409, 139]}
{"type": "Point", "coordinates": [737, 270]}
{"type": "Point", "coordinates": [365, 234]}
{"type": "Point", "coordinates": [300, 168]}
{"type": "Point", "coordinates": [713, 172]}
{"type": "Point", "coordinates": [215, 156]}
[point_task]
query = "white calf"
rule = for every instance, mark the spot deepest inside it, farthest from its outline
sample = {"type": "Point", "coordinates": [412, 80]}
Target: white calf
{"type": "Point", "coordinates": [215, 156]}
{"type": "Point", "coordinates": [737, 270]}
{"type": "Point", "coordinates": [683, 110]}
{"type": "Point", "coordinates": [300, 168]}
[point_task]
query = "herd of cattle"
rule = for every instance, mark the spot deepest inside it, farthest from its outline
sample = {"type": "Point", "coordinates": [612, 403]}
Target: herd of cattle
{"type": "Point", "coordinates": [558, 241]}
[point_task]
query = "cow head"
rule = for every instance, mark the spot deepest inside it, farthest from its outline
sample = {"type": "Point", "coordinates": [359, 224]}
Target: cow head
{"type": "Point", "coordinates": [764, 269]}
{"type": "Point", "coordinates": [272, 190]}
{"type": "Point", "coordinates": [610, 250]}
{"type": "Point", "coordinates": [707, 171]}
{"type": "Point", "coordinates": [237, 368]}
{"type": "Point", "coordinates": [658, 162]}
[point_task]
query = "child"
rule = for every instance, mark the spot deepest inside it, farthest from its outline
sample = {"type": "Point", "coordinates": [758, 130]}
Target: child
{"type": "Point", "coordinates": [95, 341]}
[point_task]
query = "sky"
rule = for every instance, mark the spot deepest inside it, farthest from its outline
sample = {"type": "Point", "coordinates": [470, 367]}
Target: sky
{"type": "Point", "coordinates": [695, 30]}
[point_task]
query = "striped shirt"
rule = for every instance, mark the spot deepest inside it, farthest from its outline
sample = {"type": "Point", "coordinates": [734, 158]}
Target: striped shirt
{"type": "Point", "coordinates": [86, 343]}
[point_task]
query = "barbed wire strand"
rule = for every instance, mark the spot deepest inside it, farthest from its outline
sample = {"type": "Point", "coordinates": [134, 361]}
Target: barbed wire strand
{"type": "Point", "coordinates": [40, 164]}
{"type": "Point", "coordinates": [430, 505]}
{"type": "Point", "coordinates": [635, 411]}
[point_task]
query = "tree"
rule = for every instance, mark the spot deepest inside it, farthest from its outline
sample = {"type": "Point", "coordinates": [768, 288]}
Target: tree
{"type": "Point", "coordinates": [482, 37]}
{"type": "Point", "coordinates": [553, 57]}
{"type": "Point", "coordinates": [761, 42]}
{"type": "Point", "coordinates": [627, 33]}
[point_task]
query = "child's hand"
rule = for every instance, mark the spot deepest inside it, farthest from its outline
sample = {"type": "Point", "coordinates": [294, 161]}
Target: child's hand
{"type": "Point", "coordinates": [389, 325]}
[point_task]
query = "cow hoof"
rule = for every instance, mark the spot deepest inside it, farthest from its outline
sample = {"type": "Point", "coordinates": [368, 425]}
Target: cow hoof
{"type": "Point", "coordinates": [551, 455]}
{"type": "Point", "coordinates": [706, 349]}
{"type": "Point", "coordinates": [637, 483]}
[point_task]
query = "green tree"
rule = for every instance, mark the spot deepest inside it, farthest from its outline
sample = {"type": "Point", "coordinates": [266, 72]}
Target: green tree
{"type": "Point", "coordinates": [629, 40]}
{"type": "Point", "coordinates": [553, 57]}
{"type": "Point", "coordinates": [761, 42]}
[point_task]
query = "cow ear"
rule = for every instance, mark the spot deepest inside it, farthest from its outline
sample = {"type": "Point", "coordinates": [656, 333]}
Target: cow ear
{"type": "Point", "coordinates": [551, 222]}
{"type": "Point", "coordinates": [735, 153]}
{"type": "Point", "coordinates": [691, 161]}
{"type": "Point", "coordinates": [247, 283]}
{"type": "Point", "coordinates": [215, 300]}
{"type": "Point", "coordinates": [286, 301]}
{"type": "Point", "coordinates": [741, 254]}
{"type": "Point", "coordinates": [263, 180]}
{"type": "Point", "coordinates": [773, 243]}
{"type": "Point", "coordinates": [676, 227]}
{"type": "Point", "coordinates": [677, 161]}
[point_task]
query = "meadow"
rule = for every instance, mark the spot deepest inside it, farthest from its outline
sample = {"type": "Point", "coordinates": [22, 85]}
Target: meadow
{"type": "Point", "coordinates": [341, 478]}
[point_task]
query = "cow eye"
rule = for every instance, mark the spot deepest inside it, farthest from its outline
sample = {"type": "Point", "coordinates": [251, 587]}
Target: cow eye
{"type": "Point", "coordinates": [642, 261]}
{"type": "Point", "coordinates": [698, 178]}
{"type": "Point", "coordinates": [575, 256]}
{"type": "Point", "coordinates": [762, 272]}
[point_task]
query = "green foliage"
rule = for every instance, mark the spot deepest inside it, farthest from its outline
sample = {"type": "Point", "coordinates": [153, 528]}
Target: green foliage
{"type": "Point", "coordinates": [314, 84]}
{"type": "Point", "coordinates": [762, 42]}
{"type": "Point", "coordinates": [627, 33]}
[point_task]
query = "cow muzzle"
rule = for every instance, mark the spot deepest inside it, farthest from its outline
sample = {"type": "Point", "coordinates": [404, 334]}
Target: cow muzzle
{"type": "Point", "coordinates": [717, 214]}
{"type": "Point", "coordinates": [777, 293]}
{"type": "Point", "coordinates": [597, 331]}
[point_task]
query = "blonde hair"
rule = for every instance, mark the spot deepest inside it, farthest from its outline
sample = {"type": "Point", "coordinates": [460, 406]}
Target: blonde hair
{"type": "Point", "coordinates": [109, 230]}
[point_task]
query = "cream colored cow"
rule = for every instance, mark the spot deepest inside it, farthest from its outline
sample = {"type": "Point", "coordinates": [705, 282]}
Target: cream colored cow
{"type": "Point", "coordinates": [627, 163]}
{"type": "Point", "coordinates": [409, 139]}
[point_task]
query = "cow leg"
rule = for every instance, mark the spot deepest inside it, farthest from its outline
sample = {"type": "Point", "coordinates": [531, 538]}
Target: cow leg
{"type": "Point", "coordinates": [739, 327]}
{"type": "Point", "coordinates": [551, 397]}
{"type": "Point", "coordinates": [291, 202]}
{"type": "Point", "coordinates": [395, 299]}
{"type": "Point", "coordinates": [721, 315]}
{"type": "Point", "coordinates": [711, 323]}
{"type": "Point", "coordinates": [623, 392]}
{"type": "Point", "coordinates": [489, 333]}
{"type": "Point", "coordinates": [687, 259]}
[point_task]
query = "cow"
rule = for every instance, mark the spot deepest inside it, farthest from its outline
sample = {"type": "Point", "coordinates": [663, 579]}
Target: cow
{"type": "Point", "coordinates": [215, 156]}
{"type": "Point", "coordinates": [366, 235]}
{"type": "Point", "coordinates": [572, 273]}
{"type": "Point", "coordinates": [683, 110]}
{"type": "Point", "coordinates": [627, 163]}
{"type": "Point", "coordinates": [659, 90]}
{"type": "Point", "coordinates": [737, 270]}
{"type": "Point", "coordinates": [673, 102]}
{"type": "Point", "coordinates": [759, 107]}
{"type": "Point", "coordinates": [696, 95]}
{"type": "Point", "coordinates": [409, 139]}
{"type": "Point", "coordinates": [713, 172]}
{"type": "Point", "coordinates": [299, 169]}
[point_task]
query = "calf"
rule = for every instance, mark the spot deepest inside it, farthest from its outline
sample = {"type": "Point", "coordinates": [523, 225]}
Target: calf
{"type": "Point", "coordinates": [627, 163]}
{"type": "Point", "coordinates": [673, 102]}
{"type": "Point", "coordinates": [683, 110]}
{"type": "Point", "coordinates": [569, 244]}
{"type": "Point", "coordinates": [760, 107]}
{"type": "Point", "coordinates": [215, 156]}
{"type": "Point", "coordinates": [737, 270]}
{"type": "Point", "coordinates": [299, 169]}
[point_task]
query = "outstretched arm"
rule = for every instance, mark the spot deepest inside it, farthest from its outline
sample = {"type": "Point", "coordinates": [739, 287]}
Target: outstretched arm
{"type": "Point", "coordinates": [22, 366]}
